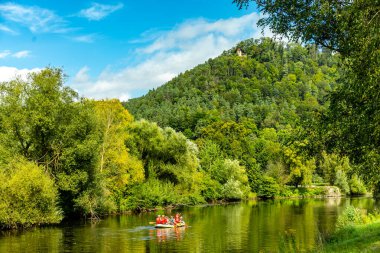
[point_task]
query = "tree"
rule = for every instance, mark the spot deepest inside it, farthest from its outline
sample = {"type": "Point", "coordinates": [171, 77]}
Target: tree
{"type": "Point", "coordinates": [117, 167]}
{"type": "Point", "coordinates": [351, 28]}
{"type": "Point", "coordinates": [331, 164]}
{"type": "Point", "coordinates": [166, 154]}
{"type": "Point", "coordinates": [50, 125]}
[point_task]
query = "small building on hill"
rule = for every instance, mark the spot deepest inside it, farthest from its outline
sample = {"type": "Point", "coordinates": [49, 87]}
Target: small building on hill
{"type": "Point", "coordinates": [240, 52]}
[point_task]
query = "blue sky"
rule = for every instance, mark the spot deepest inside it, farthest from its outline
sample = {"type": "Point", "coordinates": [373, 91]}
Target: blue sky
{"type": "Point", "coordinates": [118, 48]}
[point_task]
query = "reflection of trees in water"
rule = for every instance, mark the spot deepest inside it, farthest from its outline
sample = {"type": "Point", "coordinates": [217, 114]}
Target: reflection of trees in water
{"type": "Point", "coordinates": [269, 226]}
{"type": "Point", "coordinates": [34, 240]}
{"type": "Point", "coordinates": [167, 234]}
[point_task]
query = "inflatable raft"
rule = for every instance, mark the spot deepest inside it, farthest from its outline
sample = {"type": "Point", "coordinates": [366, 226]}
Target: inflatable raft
{"type": "Point", "coordinates": [182, 224]}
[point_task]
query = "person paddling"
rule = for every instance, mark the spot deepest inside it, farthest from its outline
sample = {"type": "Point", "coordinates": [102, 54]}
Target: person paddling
{"type": "Point", "coordinates": [158, 220]}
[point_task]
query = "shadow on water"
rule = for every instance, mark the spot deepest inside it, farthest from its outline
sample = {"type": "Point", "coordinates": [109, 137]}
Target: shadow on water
{"type": "Point", "coordinates": [288, 225]}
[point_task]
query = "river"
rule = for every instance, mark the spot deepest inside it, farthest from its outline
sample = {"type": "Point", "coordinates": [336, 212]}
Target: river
{"type": "Point", "coordinates": [289, 225]}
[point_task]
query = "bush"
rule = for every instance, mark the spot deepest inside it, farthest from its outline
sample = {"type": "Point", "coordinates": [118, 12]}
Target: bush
{"type": "Point", "coordinates": [27, 196]}
{"type": "Point", "coordinates": [155, 193]}
{"type": "Point", "coordinates": [317, 179]}
{"type": "Point", "coordinates": [268, 188]}
{"type": "Point", "coordinates": [211, 189]}
{"type": "Point", "coordinates": [357, 186]}
{"type": "Point", "coordinates": [233, 190]}
{"type": "Point", "coordinates": [151, 194]}
{"type": "Point", "coordinates": [341, 181]}
{"type": "Point", "coordinates": [351, 216]}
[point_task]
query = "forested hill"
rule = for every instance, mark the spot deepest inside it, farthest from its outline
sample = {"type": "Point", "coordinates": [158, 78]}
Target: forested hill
{"type": "Point", "coordinates": [258, 107]}
{"type": "Point", "coordinates": [274, 84]}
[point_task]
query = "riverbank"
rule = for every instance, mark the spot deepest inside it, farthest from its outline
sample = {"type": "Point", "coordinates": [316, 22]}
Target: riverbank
{"type": "Point", "coordinates": [359, 238]}
{"type": "Point", "coordinates": [356, 230]}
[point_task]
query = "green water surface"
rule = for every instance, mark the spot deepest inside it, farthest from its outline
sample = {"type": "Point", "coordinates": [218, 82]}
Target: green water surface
{"type": "Point", "coordinates": [291, 225]}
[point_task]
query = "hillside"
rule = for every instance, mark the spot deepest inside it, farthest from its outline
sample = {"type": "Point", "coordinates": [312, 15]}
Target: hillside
{"type": "Point", "coordinates": [258, 107]}
{"type": "Point", "coordinates": [272, 83]}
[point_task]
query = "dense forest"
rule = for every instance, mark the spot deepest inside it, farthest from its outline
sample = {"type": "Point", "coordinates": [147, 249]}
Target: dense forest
{"type": "Point", "coordinates": [263, 104]}
{"type": "Point", "coordinates": [237, 126]}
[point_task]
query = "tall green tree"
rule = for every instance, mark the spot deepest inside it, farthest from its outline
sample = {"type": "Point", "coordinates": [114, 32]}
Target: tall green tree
{"type": "Point", "coordinates": [117, 167]}
{"type": "Point", "coordinates": [167, 155]}
{"type": "Point", "coordinates": [50, 125]}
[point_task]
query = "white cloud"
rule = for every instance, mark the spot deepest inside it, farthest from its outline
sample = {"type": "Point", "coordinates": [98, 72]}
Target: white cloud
{"type": "Point", "coordinates": [21, 54]}
{"type": "Point", "coordinates": [4, 54]}
{"type": "Point", "coordinates": [170, 53]}
{"type": "Point", "coordinates": [89, 38]}
{"type": "Point", "coordinates": [10, 73]}
{"type": "Point", "coordinates": [82, 75]}
{"type": "Point", "coordinates": [36, 19]}
{"type": "Point", "coordinates": [99, 11]}
{"type": "Point", "coordinates": [6, 29]}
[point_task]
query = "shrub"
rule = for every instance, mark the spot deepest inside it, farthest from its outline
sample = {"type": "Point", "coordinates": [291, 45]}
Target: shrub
{"type": "Point", "coordinates": [317, 179]}
{"type": "Point", "coordinates": [211, 189]}
{"type": "Point", "coordinates": [351, 216]}
{"type": "Point", "coordinates": [151, 194]}
{"type": "Point", "coordinates": [357, 186]}
{"type": "Point", "coordinates": [268, 188]}
{"type": "Point", "coordinates": [27, 196]}
{"type": "Point", "coordinates": [341, 181]}
{"type": "Point", "coordinates": [232, 190]}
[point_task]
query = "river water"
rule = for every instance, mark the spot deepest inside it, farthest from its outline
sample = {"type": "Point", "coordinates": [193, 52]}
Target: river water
{"type": "Point", "coordinates": [290, 225]}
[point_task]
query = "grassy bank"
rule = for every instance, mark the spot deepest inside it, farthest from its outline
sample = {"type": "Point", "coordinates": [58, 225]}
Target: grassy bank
{"type": "Point", "coordinates": [356, 232]}
{"type": "Point", "coordinates": [359, 238]}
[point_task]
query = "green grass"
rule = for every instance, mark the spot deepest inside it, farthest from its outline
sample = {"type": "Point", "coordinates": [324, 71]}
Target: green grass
{"type": "Point", "coordinates": [358, 238]}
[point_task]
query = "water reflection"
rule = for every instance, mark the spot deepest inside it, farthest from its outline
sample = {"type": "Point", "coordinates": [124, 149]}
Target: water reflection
{"type": "Point", "coordinates": [291, 225]}
{"type": "Point", "coordinates": [167, 234]}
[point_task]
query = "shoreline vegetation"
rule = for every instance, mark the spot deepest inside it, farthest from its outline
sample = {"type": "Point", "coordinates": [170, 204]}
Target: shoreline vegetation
{"type": "Point", "coordinates": [356, 231]}
{"type": "Point", "coordinates": [230, 129]}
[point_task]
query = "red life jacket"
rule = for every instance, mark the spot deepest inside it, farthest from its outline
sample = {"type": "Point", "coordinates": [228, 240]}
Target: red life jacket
{"type": "Point", "coordinates": [158, 220]}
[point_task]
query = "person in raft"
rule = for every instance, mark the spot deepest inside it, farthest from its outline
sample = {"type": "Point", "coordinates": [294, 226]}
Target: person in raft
{"type": "Point", "coordinates": [158, 219]}
{"type": "Point", "coordinates": [165, 220]}
{"type": "Point", "coordinates": [177, 218]}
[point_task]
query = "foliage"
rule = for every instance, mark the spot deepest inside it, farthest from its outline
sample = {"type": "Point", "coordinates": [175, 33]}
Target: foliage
{"type": "Point", "coordinates": [268, 188]}
{"type": "Point", "coordinates": [166, 154]}
{"type": "Point", "coordinates": [151, 194]}
{"type": "Point", "coordinates": [359, 238]}
{"type": "Point", "coordinates": [350, 216]}
{"type": "Point", "coordinates": [28, 196]}
{"type": "Point", "coordinates": [233, 190]}
{"type": "Point", "coordinates": [224, 129]}
{"type": "Point", "coordinates": [331, 163]}
{"type": "Point", "coordinates": [259, 109]}
{"type": "Point", "coordinates": [225, 178]}
{"type": "Point", "coordinates": [117, 167]}
{"type": "Point", "coordinates": [357, 186]}
{"type": "Point", "coordinates": [341, 181]}
{"type": "Point", "coordinates": [48, 124]}
{"type": "Point", "coordinates": [300, 172]}
{"type": "Point", "coordinates": [351, 28]}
